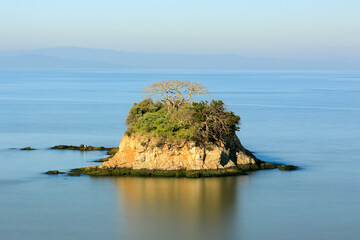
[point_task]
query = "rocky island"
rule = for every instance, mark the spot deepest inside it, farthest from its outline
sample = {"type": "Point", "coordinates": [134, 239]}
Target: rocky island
{"type": "Point", "coordinates": [170, 134]}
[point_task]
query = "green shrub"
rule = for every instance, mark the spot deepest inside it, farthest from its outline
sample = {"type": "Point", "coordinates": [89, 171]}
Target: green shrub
{"type": "Point", "coordinates": [198, 121]}
{"type": "Point", "coordinates": [160, 143]}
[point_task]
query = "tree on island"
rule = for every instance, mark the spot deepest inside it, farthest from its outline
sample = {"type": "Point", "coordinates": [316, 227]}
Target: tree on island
{"type": "Point", "coordinates": [177, 117]}
{"type": "Point", "coordinates": [175, 92]}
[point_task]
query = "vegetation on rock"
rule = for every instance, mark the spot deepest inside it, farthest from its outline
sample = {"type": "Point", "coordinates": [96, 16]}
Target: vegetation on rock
{"type": "Point", "coordinates": [177, 118]}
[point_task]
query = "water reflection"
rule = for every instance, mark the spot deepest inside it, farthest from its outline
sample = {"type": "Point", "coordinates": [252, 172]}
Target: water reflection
{"type": "Point", "coordinates": [162, 208]}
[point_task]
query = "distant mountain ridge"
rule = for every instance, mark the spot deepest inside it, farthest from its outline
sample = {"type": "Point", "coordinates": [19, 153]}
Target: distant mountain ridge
{"type": "Point", "coordinates": [74, 57]}
{"type": "Point", "coordinates": [45, 61]}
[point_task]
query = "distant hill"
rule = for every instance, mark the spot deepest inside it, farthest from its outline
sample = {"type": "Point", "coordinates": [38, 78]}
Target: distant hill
{"type": "Point", "coordinates": [73, 57]}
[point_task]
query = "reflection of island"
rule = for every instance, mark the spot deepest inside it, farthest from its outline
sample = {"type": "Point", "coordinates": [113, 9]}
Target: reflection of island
{"type": "Point", "coordinates": [163, 208]}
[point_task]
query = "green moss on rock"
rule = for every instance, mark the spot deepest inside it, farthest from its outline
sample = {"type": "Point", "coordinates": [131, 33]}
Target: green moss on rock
{"type": "Point", "coordinates": [82, 147]}
{"type": "Point", "coordinates": [95, 171]}
{"type": "Point", "coordinates": [266, 165]}
{"type": "Point", "coordinates": [249, 167]}
{"type": "Point", "coordinates": [54, 172]}
{"type": "Point", "coordinates": [111, 153]}
{"type": "Point", "coordinates": [287, 167]}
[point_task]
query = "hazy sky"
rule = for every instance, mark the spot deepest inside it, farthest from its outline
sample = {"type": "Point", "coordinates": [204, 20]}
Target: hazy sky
{"type": "Point", "coordinates": [276, 28]}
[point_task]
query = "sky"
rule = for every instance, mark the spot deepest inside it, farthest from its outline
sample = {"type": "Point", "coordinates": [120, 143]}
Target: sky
{"type": "Point", "coordinates": [256, 28]}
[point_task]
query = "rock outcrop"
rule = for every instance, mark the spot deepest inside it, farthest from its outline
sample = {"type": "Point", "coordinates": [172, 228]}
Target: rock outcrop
{"type": "Point", "coordinates": [141, 152]}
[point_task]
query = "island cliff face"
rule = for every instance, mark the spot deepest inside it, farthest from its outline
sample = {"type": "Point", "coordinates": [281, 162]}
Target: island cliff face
{"type": "Point", "coordinates": [140, 152]}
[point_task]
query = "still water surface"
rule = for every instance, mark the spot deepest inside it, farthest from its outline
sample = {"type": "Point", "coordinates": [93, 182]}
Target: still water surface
{"type": "Point", "coordinates": [309, 119]}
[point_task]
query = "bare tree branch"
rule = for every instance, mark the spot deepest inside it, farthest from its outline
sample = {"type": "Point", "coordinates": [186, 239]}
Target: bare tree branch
{"type": "Point", "coordinates": [175, 92]}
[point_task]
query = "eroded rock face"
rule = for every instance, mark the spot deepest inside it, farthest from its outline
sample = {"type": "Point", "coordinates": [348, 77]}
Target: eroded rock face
{"type": "Point", "coordinates": [140, 152]}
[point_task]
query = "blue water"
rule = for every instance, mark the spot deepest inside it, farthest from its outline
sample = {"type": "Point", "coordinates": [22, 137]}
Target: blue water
{"type": "Point", "coordinates": [308, 119]}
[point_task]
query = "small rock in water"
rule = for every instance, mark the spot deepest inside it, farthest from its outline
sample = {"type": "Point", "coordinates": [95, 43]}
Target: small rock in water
{"type": "Point", "coordinates": [54, 172]}
{"type": "Point", "coordinates": [82, 147]}
{"type": "Point", "coordinates": [27, 148]}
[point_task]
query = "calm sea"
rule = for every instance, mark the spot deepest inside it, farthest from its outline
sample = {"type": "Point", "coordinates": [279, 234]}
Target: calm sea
{"type": "Point", "coordinates": [308, 119]}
